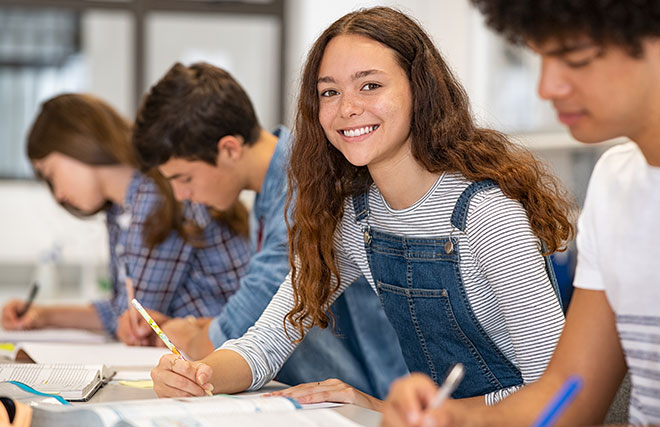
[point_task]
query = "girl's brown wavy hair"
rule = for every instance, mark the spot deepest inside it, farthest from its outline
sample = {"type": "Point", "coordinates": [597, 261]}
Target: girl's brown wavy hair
{"type": "Point", "coordinates": [89, 130]}
{"type": "Point", "coordinates": [444, 138]}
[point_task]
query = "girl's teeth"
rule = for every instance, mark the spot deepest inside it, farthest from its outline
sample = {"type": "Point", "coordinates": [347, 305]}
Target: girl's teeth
{"type": "Point", "coordinates": [360, 131]}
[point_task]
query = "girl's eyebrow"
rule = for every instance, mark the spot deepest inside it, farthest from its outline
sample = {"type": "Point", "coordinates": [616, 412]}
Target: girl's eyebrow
{"type": "Point", "coordinates": [357, 75]}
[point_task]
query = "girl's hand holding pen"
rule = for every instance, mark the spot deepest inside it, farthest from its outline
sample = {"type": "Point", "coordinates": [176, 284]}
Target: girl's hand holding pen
{"type": "Point", "coordinates": [175, 377]}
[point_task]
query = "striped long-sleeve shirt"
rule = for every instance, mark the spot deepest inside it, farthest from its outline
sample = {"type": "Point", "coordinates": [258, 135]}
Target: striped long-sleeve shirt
{"type": "Point", "coordinates": [501, 266]}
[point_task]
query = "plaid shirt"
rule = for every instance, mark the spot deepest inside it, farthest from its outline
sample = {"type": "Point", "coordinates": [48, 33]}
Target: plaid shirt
{"type": "Point", "coordinates": [174, 278]}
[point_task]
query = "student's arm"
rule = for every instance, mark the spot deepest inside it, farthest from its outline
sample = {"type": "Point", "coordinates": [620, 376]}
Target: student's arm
{"type": "Point", "coordinates": [245, 363]}
{"type": "Point", "coordinates": [263, 349]}
{"type": "Point", "coordinates": [589, 347]}
{"type": "Point", "coordinates": [57, 316]}
{"type": "Point", "coordinates": [507, 254]}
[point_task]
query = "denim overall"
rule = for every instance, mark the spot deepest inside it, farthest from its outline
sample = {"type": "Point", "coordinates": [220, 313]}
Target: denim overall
{"type": "Point", "coordinates": [421, 290]}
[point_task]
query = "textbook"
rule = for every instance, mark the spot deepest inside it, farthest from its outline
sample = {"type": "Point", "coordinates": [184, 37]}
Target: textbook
{"type": "Point", "coordinates": [216, 410]}
{"type": "Point", "coordinates": [69, 381]}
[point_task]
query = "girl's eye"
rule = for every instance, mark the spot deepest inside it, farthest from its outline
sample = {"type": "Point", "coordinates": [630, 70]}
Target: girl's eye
{"type": "Point", "coordinates": [328, 93]}
{"type": "Point", "coordinates": [370, 86]}
{"type": "Point", "coordinates": [186, 180]}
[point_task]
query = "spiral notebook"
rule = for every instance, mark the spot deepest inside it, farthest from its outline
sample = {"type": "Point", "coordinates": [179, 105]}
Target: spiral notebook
{"type": "Point", "coordinates": [69, 381]}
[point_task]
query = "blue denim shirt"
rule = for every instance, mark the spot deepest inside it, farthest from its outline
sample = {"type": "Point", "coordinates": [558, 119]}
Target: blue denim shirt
{"type": "Point", "coordinates": [363, 350]}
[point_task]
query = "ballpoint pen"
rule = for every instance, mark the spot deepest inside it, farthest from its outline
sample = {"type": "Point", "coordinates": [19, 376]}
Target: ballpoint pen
{"type": "Point", "coordinates": [159, 332]}
{"type": "Point", "coordinates": [29, 301]}
{"type": "Point", "coordinates": [452, 381]}
{"type": "Point", "coordinates": [559, 402]}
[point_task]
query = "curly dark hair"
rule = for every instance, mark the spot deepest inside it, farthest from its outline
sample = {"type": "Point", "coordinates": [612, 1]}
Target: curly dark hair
{"type": "Point", "coordinates": [621, 22]}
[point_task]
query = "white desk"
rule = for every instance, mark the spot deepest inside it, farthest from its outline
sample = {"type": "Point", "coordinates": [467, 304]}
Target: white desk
{"type": "Point", "coordinates": [114, 392]}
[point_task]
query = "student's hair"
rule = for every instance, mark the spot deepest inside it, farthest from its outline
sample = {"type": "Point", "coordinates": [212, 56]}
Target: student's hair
{"type": "Point", "coordinates": [188, 111]}
{"type": "Point", "coordinates": [620, 22]}
{"type": "Point", "coordinates": [87, 129]}
{"type": "Point", "coordinates": [444, 138]}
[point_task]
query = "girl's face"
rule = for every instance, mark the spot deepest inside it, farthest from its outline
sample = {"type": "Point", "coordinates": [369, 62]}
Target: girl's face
{"type": "Point", "coordinates": [72, 181]}
{"type": "Point", "coordinates": [365, 101]}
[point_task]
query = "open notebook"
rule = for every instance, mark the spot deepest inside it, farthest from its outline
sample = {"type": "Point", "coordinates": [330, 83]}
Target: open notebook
{"type": "Point", "coordinates": [217, 410]}
{"type": "Point", "coordinates": [69, 381]}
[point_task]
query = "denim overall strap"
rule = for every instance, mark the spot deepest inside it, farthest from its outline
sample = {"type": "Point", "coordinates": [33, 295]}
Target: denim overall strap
{"type": "Point", "coordinates": [361, 206]}
{"type": "Point", "coordinates": [422, 293]}
{"type": "Point", "coordinates": [459, 216]}
{"type": "Point", "coordinates": [459, 220]}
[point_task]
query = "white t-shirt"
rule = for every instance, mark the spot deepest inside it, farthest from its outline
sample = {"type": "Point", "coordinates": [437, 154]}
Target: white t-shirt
{"type": "Point", "coordinates": [618, 251]}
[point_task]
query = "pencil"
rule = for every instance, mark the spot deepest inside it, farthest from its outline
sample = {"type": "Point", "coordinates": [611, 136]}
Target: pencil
{"type": "Point", "coordinates": [159, 332]}
{"type": "Point", "coordinates": [156, 328]}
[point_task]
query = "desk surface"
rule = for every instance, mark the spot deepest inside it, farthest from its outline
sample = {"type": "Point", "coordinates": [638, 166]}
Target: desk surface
{"type": "Point", "coordinates": [114, 392]}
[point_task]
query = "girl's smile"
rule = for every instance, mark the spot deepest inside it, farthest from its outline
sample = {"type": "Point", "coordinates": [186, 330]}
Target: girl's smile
{"type": "Point", "coordinates": [359, 133]}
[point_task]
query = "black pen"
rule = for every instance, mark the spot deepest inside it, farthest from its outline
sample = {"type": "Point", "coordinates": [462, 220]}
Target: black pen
{"type": "Point", "coordinates": [30, 299]}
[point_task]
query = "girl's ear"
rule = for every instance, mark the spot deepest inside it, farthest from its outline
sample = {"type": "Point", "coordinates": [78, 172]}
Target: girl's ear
{"type": "Point", "coordinates": [230, 148]}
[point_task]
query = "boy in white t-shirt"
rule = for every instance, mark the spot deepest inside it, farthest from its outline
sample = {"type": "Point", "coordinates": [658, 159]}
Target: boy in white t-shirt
{"type": "Point", "coordinates": [601, 70]}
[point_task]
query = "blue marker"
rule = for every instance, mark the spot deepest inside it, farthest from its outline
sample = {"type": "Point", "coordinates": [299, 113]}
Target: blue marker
{"type": "Point", "coordinates": [559, 402]}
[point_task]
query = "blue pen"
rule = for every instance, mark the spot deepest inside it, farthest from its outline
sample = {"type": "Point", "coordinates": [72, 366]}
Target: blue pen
{"type": "Point", "coordinates": [559, 402]}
